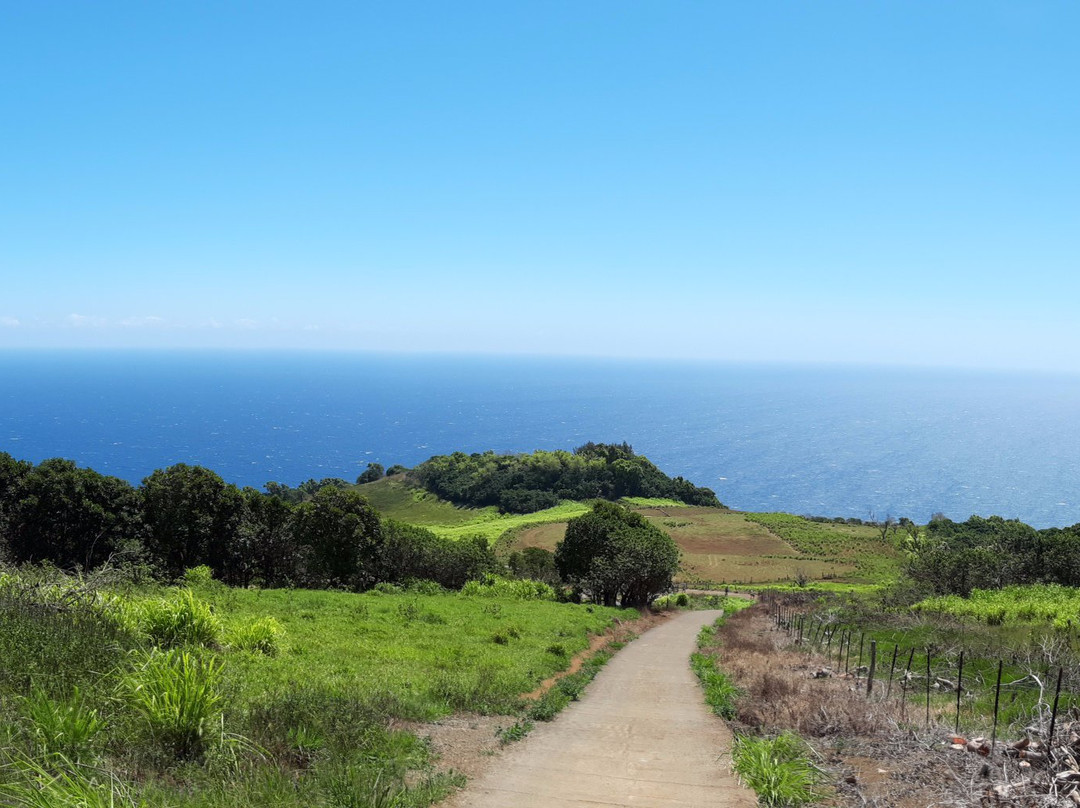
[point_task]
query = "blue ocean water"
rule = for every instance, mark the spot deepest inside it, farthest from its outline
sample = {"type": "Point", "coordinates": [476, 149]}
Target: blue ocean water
{"type": "Point", "coordinates": [810, 440]}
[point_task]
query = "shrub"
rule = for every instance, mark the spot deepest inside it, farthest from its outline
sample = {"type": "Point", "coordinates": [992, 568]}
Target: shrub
{"type": "Point", "coordinates": [175, 692]}
{"type": "Point", "coordinates": [492, 586]}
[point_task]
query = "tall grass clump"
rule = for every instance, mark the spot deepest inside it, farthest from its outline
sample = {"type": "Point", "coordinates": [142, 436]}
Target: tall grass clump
{"type": "Point", "coordinates": [777, 769]}
{"type": "Point", "coordinates": [175, 693]}
{"type": "Point", "coordinates": [177, 620]}
{"type": "Point", "coordinates": [64, 727]}
{"type": "Point", "coordinates": [66, 786]}
{"type": "Point", "coordinates": [258, 636]}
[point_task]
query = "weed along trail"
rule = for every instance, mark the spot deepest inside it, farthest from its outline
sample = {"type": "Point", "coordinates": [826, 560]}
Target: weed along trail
{"type": "Point", "coordinates": [640, 736]}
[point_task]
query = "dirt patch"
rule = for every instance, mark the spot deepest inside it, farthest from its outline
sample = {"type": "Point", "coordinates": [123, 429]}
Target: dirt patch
{"type": "Point", "coordinates": [463, 743]}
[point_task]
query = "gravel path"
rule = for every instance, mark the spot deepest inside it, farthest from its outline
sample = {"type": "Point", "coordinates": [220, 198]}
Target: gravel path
{"type": "Point", "coordinates": [640, 736]}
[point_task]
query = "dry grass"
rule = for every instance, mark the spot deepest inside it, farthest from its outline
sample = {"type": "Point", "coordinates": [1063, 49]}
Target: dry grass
{"type": "Point", "coordinates": [780, 691]}
{"type": "Point", "coordinates": [870, 756]}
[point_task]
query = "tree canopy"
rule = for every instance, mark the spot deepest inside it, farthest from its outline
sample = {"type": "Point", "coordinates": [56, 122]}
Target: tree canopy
{"type": "Point", "coordinates": [614, 555]}
{"type": "Point", "coordinates": [991, 552]}
{"type": "Point", "coordinates": [523, 483]}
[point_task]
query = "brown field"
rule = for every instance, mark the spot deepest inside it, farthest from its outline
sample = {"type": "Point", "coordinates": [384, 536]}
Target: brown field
{"type": "Point", "coordinates": [718, 546]}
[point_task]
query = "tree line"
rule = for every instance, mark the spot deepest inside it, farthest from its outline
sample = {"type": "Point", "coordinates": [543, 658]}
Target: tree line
{"type": "Point", "coordinates": [524, 483]}
{"type": "Point", "coordinates": [952, 558]}
{"type": "Point", "coordinates": [319, 535]}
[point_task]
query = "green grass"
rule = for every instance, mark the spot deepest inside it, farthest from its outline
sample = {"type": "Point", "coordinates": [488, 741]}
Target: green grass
{"type": "Point", "coordinates": [289, 706]}
{"type": "Point", "coordinates": [491, 524]}
{"type": "Point", "coordinates": [421, 656]}
{"type": "Point", "coordinates": [653, 502]}
{"type": "Point", "coordinates": [720, 692]}
{"type": "Point", "coordinates": [396, 499]}
{"type": "Point", "coordinates": [1036, 603]}
{"type": "Point", "coordinates": [875, 560]}
{"type": "Point", "coordinates": [777, 769]}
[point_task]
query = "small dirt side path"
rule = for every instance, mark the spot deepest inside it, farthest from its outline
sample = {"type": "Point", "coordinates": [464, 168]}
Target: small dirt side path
{"type": "Point", "coordinates": [641, 736]}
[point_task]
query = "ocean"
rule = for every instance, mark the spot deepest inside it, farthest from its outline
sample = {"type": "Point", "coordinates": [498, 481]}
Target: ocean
{"type": "Point", "coordinates": [828, 440]}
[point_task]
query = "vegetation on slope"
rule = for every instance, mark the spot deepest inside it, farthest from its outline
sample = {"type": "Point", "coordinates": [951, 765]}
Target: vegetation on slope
{"type": "Point", "coordinates": [869, 549]}
{"type": "Point", "coordinates": [525, 483]}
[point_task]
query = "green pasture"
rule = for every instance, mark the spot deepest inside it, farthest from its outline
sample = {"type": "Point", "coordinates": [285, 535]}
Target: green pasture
{"type": "Point", "coordinates": [212, 696]}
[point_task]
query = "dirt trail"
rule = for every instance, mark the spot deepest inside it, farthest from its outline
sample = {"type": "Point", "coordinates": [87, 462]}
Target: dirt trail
{"type": "Point", "coordinates": [641, 736]}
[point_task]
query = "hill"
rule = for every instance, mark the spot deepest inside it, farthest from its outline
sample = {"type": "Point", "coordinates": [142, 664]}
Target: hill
{"type": "Point", "coordinates": [525, 483]}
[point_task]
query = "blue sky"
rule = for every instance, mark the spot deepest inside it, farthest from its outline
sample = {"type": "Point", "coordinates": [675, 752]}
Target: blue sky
{"type": "Point", "coordinates": [887, 182]}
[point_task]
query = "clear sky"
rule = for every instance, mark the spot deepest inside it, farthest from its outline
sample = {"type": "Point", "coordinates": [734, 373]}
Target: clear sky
{"type": "Point", "coordinates": [894, 182]}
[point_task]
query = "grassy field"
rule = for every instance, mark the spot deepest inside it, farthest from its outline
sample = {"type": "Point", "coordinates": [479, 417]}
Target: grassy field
{"type": "Point", "coordinates": [718, 546]}
{"type": "Point", "coordinates": [860, 548]}
{"type": "Point", "coordinates": [394, 498]}
{"type": "Point", "coordinates": [397, 500]}
{"type": "Point", "coordinates": [213, 696]}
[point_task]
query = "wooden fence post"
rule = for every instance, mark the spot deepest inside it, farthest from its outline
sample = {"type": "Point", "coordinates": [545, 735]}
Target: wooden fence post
{"type": "Point", "coordinates": [1053, 714]}
{"type": "Point", "coordinates": [997, 701]}
{"type": "Point", "coordinates": [959, 689]}
{"type": "Point", "coordinates": [927, 687]}
{"type": "Point", "coordinates": [892, 670]}
{"type": "Point", "coordinates": [873, 665]}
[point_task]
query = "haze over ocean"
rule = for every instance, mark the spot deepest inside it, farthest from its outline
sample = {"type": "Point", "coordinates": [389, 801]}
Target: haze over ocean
{"type": "Point", "coordinates": [834, 441]}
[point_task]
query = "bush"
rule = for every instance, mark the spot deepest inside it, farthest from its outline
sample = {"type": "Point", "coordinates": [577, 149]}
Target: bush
{"type": "Point", "coordinates": [492, 586]}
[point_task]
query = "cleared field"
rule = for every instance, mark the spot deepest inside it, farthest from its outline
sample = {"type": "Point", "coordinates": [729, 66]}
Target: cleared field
{"type": "Point", "coordinates": [394, 498]}
{"type": "Point", "coordinates": [717, 545]}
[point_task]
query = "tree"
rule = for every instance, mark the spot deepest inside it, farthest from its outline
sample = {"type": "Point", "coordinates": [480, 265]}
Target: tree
{"type": "Point", "coordinates": [193, 517]}
{"type": "Point", "coordinates": [614, 555]}
{"type": "Point", "coordinates": [373, 472]}
{"type": "Point", "coordinates": [535, 563]}
{"type": "Point", "coordinates": [342, 535]}
{"type": "Point", "coordinates": [268, 541]}
{"type": "Point", "coordinates": [70, 516]}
